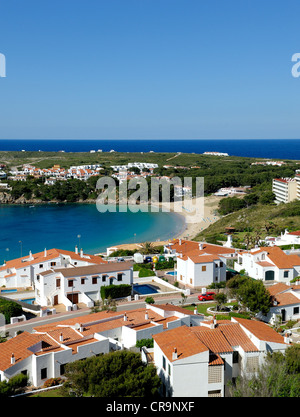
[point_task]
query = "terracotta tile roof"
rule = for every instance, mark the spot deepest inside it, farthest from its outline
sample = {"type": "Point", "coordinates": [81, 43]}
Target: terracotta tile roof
{"type": "Point", "coordinates": [264, 263]}
{"type": "Point", "coordinates": [279, 258]}
{"type": "Point", "coordinates": [200, 256]}
{"type": "Point", "coordinates": [237, 337]}
{"type": "Point", "coordinates": [51, 254]}
{"type": "Point", "coordinates": [181, 338]}
{"type": "Point", "coordinates": [215, 359]}
{"type": "Point", "coordinates": [171, 307]}
{"type": "Point", "coordinates": [103, 321]}
{"type": "Point", "coordinates": [261, 330]}
{"type": "Point", "coordinates": [278, 288]}
{"type": "Point", "coordinates": [187, 246]}
{"type": "Point", "coordinates": [20, 346]}
{"type": "Point", "coordinates": [213, 339]}
{"type": "Point", "coordinates": [286, 298]}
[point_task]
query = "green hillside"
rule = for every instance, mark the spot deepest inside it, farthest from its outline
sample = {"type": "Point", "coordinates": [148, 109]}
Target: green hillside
{"type": "Point", "coordinates": [262, 220]}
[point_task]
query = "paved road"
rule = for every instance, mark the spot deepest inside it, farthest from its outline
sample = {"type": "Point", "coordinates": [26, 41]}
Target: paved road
{"type": "Point", "coordinates": [132, 305]}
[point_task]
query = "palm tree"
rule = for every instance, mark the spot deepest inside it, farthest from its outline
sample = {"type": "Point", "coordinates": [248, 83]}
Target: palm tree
{"type": "Point", "coordinates": [147, 248]}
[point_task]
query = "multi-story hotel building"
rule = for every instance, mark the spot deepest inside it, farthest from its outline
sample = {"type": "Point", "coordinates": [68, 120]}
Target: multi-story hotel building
{"type": "Point", "coordinates": [285, 190]}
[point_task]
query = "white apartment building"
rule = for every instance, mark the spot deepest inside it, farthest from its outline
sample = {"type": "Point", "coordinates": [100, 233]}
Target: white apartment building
{"type": "Point", "coordinates": [268, 264]}
{"type": "Point", "coordinates": [80, 284]}
{"type": "Point", "coordinates": [199, 361]}
{"type": "Point", "coordinates": [21, 272]}
{"type": "Point", "coordinates": [43, 354]}
{"type": "Point", "coordinates": [285, 190]}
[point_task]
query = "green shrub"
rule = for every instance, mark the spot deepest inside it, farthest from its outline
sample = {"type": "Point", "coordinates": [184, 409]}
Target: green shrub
{"type": "Point", "coordinates": [148, 343]}
{"type": "Point", "coordinates": [115, 291]}
{"type": "Point", "coordinates": [10, 309]}
{"type": "Point", "coordinates": [149, 300]}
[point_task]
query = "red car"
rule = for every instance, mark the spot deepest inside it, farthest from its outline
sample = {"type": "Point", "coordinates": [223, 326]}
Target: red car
{"type": "Point", "coordinates": [206, 296]}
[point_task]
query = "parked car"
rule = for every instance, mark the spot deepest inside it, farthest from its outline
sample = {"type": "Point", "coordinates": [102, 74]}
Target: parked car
{"type": "Point", "coordinates": [206, 296]}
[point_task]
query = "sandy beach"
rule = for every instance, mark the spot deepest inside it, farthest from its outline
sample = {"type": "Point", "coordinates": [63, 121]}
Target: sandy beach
{"type": "Point", "coordinates": [194, 223]}
{"type": "Point", "coordinates": [198, 214]}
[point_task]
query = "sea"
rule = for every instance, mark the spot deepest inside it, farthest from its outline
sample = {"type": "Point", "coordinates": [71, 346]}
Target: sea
{"type": "Point", "coordinates": [62, 226]}
{"type": "Point", "coordinates": [256, 148]}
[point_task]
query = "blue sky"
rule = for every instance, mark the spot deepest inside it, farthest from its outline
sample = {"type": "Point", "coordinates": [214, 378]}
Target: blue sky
{"type": "Point", "coordinates": [149, 69]}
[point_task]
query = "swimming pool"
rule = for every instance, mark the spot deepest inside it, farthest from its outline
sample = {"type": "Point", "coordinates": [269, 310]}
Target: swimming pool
{"type": "Point", "coordinates": [171, 273]}
{"type": "Point", "coordinates": [8, 291]}
{"type": "Point", "coordinates": [28, 300]}
{"type": "Point", "coordinates": [144, 289]}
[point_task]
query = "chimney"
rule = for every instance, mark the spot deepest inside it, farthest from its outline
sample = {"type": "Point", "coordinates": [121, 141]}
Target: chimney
{"type": "Point", "coordinates": [287, 338]}
{"type": "Point", "coordinates": [200, 246]}
{"type": "Point", "coordinates": [195, 310]}
{"type": "Point", "coordinates": [45, 252]}
{"type": "Point", "coordinates": [81, 328]}
{"type": "Point", "coordinates": [12, 359]}
{"type": "Point", "coordinates": [174, 354]}
{"type": "Point", "coordinates": [146, 315]}
{"type": "Point", "coordinates": [61, 338]}
{"type": "Point", "coordinates": [179, 241]}
{"type": "Point", "coordinates": [76, 250]}
{"type": "Point", "coordinates": [30, 256]}
{"type": "Point", "coordinates": [125, 317]}
{"type": "Point", "coordinates": [81, 253]}
{"type": "Point", "coordinates": [214, 323]}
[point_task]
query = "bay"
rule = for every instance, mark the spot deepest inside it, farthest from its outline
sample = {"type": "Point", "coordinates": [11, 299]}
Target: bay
{"type": "Point", "coordinates": [25, 228]}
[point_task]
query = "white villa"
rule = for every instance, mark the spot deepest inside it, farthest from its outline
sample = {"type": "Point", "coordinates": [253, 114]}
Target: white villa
{"type": "Point", "coordinates": [199, 264]}
{"type": "Point", "coordinates": [286, 238]}
{"type": "Point", "coordinates": [21, 272]}
{"type": "Point", "coordinates": [80, 284]}
{"type": "Point", "coordinates": [199, 361]}
{"type": "Point", "coordinates": [268, 264]}
{"type": "Point", "coordinates": [285, 303]}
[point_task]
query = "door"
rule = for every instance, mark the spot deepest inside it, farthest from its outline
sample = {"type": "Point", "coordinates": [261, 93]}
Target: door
{"type": "Point", "coordinates": [283, 314]}
{"type": "Point", "coordinates": [73, 298]}
{"type": "Point", "coordinates": [55, 300]}
{"type": "Point", "coordinates": [269, 275]}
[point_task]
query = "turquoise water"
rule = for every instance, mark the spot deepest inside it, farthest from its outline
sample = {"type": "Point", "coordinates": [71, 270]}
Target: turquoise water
{"type": "Point", "coordinates": [58, 226]}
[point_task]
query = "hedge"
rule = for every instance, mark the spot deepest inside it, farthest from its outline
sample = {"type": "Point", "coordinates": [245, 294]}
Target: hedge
{"type": "Point", "coordinates": [115, 291]}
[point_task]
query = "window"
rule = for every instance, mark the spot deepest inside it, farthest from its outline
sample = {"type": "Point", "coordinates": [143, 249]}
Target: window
{"type": "Point", "coordinates": [191, 281]}
{"type": "Point", "coordinates": [235, 357]}
{"type": "Point", "coordinates": [43, 373]}
{"type": "Point", "coordinates": [52, 263]}
{"type": "Point", "coordinates": [203, 268]}
{"type": "Point", "coordinates": [41, 265]}
{"type": "Point", "coordinates": [221, 264]}
{"type": "Point", "coordinates": [62, 369]}
{"type": "Point", "coordinates": [104, 278]}
{"type": "Point", "coordinates": [286, 274]}
{"type": "Point", "coordinates": [169, 369]}
{"type": "Point", "coordinates": [58, 283]}
{"type": "Point", "coordinates": [164, 363]}
{"type": "Point", "coordinates": [71, 283]}
{"type": "Point", "coordinates": [119, 277]}
{"type": "Point", "coordinates": [296, 310]}
{"type": "Point", "coordinates": [82, 281]}
{"type": "Point", "coordinates": [94, 280]}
